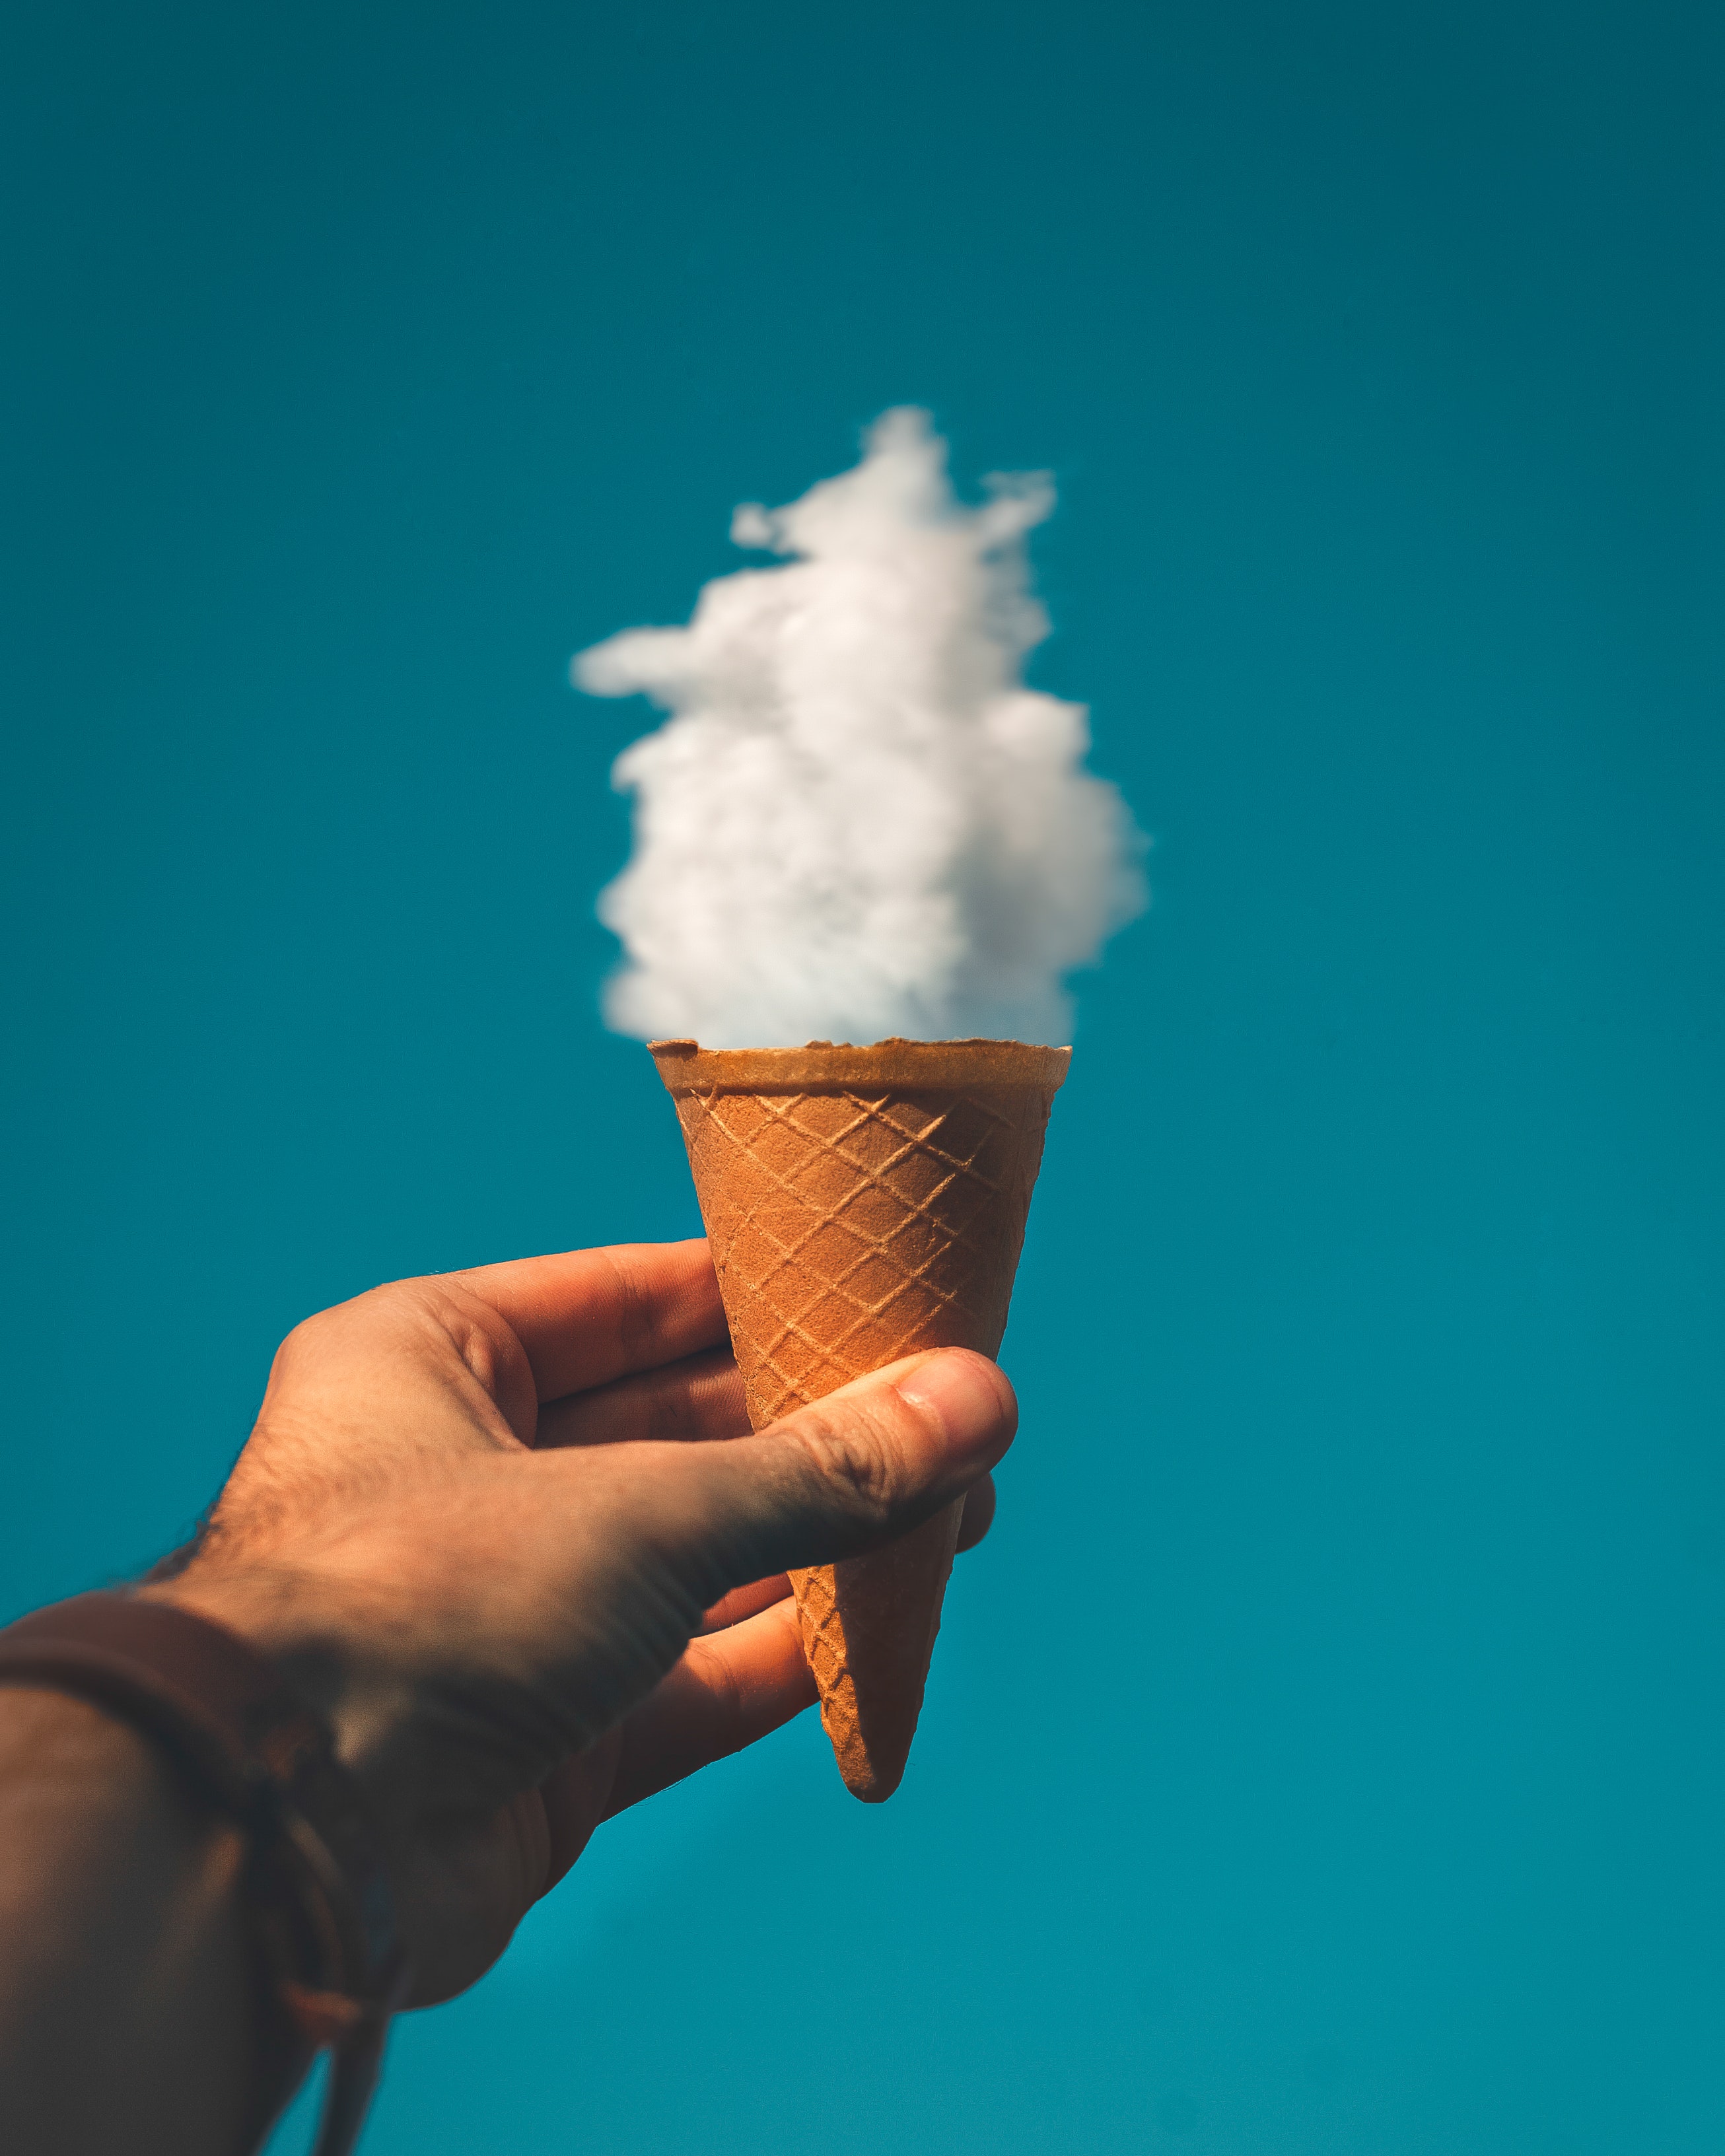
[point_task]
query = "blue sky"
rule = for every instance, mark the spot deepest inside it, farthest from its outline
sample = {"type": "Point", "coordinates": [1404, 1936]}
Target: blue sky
{"type": "Point", "coordinates": [1323, 1755]}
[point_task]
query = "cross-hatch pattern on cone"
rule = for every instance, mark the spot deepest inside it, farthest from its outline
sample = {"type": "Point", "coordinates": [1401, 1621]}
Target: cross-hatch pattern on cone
{"type": "Point", "coordinates": [845, 1270]}
{"type": "Point", "coordinates": [856, 1216]}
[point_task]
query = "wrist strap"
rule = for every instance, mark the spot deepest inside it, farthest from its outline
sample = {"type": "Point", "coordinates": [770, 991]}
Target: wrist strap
{"type": "Point", "coordinates": [317, 1891]}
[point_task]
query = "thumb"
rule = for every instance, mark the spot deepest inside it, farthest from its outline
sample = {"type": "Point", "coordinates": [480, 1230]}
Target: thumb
{"type": "Point", "coordinates": [858, 1468]}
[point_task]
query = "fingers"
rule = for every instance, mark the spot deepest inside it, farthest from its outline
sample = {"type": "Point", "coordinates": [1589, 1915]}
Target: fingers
{"type": "Point", "coordinates": [760, 1594]}
{"type": "Point", "coordinates": [691, 1401]}
{"type": "Point", "coordinates": [867, 1463]}
{"type": "Point", "coordinates": [978, 1515]}
{"type": "Point", "coordinates": [746, 1602]}
{"type": "Point", "coordinates": [585, 1317]}
{"type": "Point", "coordinates": [577, 1795]}
{"type": "Point", "coordinates": [726, 1691]}
{"type": "Point", "coordinates": [746, 1676]}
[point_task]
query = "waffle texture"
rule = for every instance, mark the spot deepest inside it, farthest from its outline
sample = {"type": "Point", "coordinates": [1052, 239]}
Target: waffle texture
{"type": "Point", "coordinates": [863, 1204]}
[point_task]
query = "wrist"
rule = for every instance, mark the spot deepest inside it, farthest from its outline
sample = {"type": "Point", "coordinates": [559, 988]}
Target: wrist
{"type": "Point", "coordinates": [323, 1652]}
{"type": "Point", "coordinates": [127, 2007]}
{"type": "Point", "coordinates": [66, 1764]}
{"type": "Point", "coordinates": [306, 1882]}
{"type": "Point", "coordinates": [78, 1783]}
{"type": "Point", "coordinates": [423, 1777]}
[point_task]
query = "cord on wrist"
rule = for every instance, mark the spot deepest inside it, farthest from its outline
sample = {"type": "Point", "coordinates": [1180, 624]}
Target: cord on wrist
{"type": "Point", "coordinates": [316, 1892]}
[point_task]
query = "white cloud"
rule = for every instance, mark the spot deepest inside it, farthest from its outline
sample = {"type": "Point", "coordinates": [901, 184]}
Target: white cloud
{"type": "Point", "coordinates": [858, 821]}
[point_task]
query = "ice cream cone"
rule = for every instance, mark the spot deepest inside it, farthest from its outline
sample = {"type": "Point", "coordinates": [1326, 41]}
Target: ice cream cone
{"type": "Point", "coordinates": [863, 1203]}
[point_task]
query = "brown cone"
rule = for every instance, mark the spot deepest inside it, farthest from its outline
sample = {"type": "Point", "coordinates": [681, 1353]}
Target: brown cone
{"type": "Point", "coordinates": [863, 1203]}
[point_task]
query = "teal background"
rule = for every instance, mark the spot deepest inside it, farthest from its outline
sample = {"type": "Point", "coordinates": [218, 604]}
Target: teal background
{"type": "Point", "coordinates": [1323, 1755]}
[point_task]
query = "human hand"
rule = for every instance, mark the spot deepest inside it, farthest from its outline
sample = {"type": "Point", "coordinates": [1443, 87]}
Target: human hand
{"type": "Point", "coordinates": [507, 1528]}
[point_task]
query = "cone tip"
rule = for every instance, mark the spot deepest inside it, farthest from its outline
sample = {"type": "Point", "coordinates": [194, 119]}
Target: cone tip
{"type": "Point", "coordinates": [872, 1789]}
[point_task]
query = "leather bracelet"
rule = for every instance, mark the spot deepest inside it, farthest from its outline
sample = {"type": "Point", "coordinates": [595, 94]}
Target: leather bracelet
{"type": "Point", "coordinates": [316, 1889]}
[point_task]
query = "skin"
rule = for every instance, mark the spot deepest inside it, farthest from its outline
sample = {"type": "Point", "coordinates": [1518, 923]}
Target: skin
{"type": "Point", "coordinates": [510, 1530]}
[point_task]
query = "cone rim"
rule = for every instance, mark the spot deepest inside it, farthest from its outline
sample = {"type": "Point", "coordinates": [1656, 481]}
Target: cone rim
{"type": "Point", "coordinates": [686, 1067]}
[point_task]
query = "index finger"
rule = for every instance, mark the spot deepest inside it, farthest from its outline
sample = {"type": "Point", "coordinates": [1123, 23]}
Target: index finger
{"type": "Point", "coordinates": [585, 1316]}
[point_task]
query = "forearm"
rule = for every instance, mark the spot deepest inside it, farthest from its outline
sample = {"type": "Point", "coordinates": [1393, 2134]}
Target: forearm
{"type": "Point", "coordinates": [127, 1999]}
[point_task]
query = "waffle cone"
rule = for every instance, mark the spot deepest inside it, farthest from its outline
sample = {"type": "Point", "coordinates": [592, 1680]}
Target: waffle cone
{"type": "Point", "coordinates": [863, 1203]}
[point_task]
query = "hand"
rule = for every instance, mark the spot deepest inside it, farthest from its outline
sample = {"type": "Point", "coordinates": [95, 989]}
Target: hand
{"type": "Point", "coordinates": [507, 1528]}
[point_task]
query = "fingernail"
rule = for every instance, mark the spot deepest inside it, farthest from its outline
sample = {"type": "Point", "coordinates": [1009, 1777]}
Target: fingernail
{"type": "Point", "coordinates": [964, 1393]}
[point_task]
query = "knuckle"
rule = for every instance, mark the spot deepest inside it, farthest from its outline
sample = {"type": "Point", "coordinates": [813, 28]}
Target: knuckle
{"type": "Point", "coordinates": [854, 1460]}
{"type": "Point", "coordinates": [449, 1306]}
{"type": "Point", "coordinates": [729, 1701]}
{"type": "Point", "coordinates": [301, 1348]}
{"type": "Point", "coordinates": [640, 1328]}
